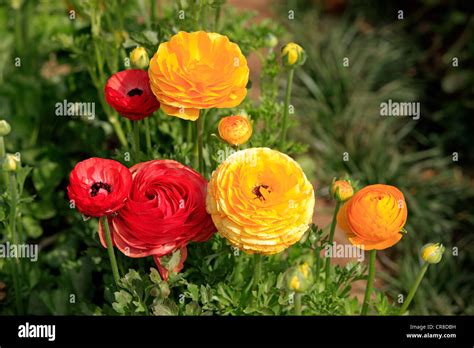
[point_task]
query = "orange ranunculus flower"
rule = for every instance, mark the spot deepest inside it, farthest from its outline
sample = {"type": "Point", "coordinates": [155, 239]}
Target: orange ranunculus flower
{"type": "Point", "coordinates": [198, 70]}
{"type": "Point", "coordinates": [374, 217]}
{"type": "Point", "coordinates": [236, 130]}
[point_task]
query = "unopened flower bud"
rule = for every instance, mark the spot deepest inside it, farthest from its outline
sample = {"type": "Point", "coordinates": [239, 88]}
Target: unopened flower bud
{"type": "Point", "coordinates": [293, 55]}
{"type": "Point", "coordinates": [4, 128]}
{"type": "Point", "coordinates": [139, 58]}
{"type": "Point", "coordinates": [271, 40]}
{"type": "Point", "coordinates": [10, 163]}
{"type": "Point", "coordinates": [432, 252]}
{"type": "Point", "coordinates": [299, 278]}
{"type": "Point", "coordinates": [235, 130]}
{"type": "Point", "coordinates": [341, 190]}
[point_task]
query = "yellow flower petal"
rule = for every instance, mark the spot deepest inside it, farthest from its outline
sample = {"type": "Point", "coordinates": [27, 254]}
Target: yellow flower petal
{"type": "Point", "coordinates": [260, 200]}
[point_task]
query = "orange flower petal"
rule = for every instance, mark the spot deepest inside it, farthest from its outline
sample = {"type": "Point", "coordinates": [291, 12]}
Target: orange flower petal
{"type": "Point", "coordinates": [184, 113]}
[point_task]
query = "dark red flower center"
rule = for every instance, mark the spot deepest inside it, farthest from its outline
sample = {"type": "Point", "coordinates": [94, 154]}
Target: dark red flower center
{"type": "Point", "coordinates": [97, 186]}
{"type": "Point", "coordinates": [134, 92]}
{"type": "Point", "coordinates": [258, 194]}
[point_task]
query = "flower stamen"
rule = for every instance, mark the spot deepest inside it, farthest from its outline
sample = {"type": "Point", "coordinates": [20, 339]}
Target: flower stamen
{"type": "Point", "coordinates": [97, 186]}
{"type": "Point", "coordinates": [258, 194]}
{"type": "Point", "coordinates": [134, 92]}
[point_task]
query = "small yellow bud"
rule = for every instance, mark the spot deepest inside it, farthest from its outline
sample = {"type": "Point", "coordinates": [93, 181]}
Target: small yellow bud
{"type": "Point", "coordinates": [236, 130]}
{"type": "Point", "coordinates": [9, 163]}
{"type": "Point", "coordinates": [299, 278]}
{"type": "Point", "coordinates": [4, 128]}
{"type": "Point", "coordinates": [139, 58]}
{"type": "Point", "coordinates": [432, 252]}
{"type": "Point", "coordinates": [341, 190]}
{"type": "Point", "coordinates": [293, 55]}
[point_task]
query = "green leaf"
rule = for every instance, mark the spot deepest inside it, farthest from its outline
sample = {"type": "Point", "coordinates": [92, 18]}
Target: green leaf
{"type": "Point", "coordinates": [165, 308]}
{"type": "Point", "coordinates": [192, 308]}
{"type": "Point", "coordinates": [43, 209]}
{"type": "Point", "coordinates": [32, 227]}
{"type": "Point", "coordinates": [139, 307]}
{"type": "Point", "coordinates": [155, 276]}
{"type": "Point", "coordinates": [21, 176]}
{"type": "Point", "coordinates": [46, 177]}
{"type": "Point", "coordinates": [2, 213]}
{"type": "Point", "coordinates": [123, 299]}
{"type": "Point", "coordinates": [194, 291]}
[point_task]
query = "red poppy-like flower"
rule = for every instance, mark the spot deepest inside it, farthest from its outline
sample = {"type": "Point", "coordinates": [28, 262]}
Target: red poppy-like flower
{"type": "Point", "coordinates": [165, 210]}
{"type": "Point", "coordinates": [99, 186]}
{"type": "Point", "coordinates": [129, 93]}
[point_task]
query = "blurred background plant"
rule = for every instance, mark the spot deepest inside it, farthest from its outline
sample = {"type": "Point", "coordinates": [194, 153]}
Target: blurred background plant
{"type": "Point", "coordinates": [53, 51]}
{"type": "Point", "coordinates": [430, 159]}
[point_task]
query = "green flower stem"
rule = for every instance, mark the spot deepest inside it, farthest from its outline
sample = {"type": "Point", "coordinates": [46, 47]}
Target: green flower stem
{"type": "Point", "coordinates": [148, 136]}
{"type": "Point", "coordinates": [331, 240]}
{"type": "Point", "coordinates": [414, 287]}
{"type": "Point", "coordinates": [370, 282]}
{"type": "Point", "coordinates": [14, 236]}
{"type": "Point", "coordinates": [318, 269]}
{"type": "Point", "coordinates": [284, 123]}
{"type": "Point", "coordinates": [136, 141]}
{"type": "Point", "coordinates": [189, 132]}
{"type": "Point", "coordinates": [197, 11]}
{"type": "Point", "coordinates": [2, 148]}
{"type": "Point", "coordinates": [152, 11]}
{"type": "Point", "coordinates": [204, 16]}
{"type": "Point", "coordinates": [110, 249]}
{"type": "Point", "coordinates": [238, 270]}
{"type": "Point", "coordinates": [114, 121]}
{"type": "Point", "coordinates": [199, 145]}
{"type": "Point", "coordinates": [298, 303]}
{"type": "Point", "coordinates": [2, 155]}
{"type": "Point", "coordinates": [257, 271]}
{"type": "Point", "coordinates": [217, 16]}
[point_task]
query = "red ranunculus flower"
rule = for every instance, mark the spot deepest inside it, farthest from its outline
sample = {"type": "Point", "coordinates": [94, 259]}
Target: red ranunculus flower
{"type": "Point", "coordinates": [165, 210]}
{"type": "Point", "coordinates": [129, 93]}
{"type": "Point", "coordinates": [99, 186]}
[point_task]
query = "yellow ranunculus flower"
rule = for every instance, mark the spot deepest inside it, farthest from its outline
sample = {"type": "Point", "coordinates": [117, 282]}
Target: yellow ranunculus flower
{"type": "Point", "coordinates": [236, 130]}
{"type": "Point", "coordinates": [198, 70]}
{"type": "Point", "coordinates": [260, 200]}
